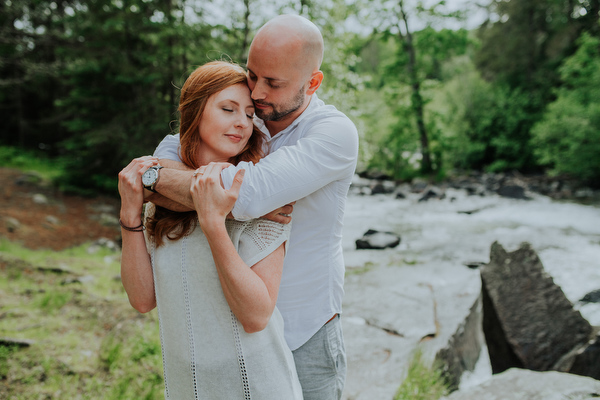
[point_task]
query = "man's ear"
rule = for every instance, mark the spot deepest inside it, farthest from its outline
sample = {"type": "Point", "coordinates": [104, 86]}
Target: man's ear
{"type": "Point", "coordinates": [314, 82]}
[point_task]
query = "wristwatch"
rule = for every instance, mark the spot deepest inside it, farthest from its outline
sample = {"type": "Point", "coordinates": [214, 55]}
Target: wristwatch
{"type": "Point", "coordinates": [150, 177]}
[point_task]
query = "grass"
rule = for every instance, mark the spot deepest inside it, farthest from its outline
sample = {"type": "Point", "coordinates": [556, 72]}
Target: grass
{"type": "Point", "coordinates": [31, 161]}
{"type": "Point", "coordinates": [87, 341]}
{"type": "Point", "coordinates": [422, 382]}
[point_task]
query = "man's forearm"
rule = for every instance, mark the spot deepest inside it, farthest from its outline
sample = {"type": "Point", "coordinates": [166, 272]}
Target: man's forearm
{"type": "Point", "coordinates": [167, 203]}
{"type": "Point", "coordinates": [173, 189]}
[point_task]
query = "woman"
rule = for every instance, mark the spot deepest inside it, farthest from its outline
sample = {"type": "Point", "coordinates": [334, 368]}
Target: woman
{"type": "Point", "coordinates": [215, 287]}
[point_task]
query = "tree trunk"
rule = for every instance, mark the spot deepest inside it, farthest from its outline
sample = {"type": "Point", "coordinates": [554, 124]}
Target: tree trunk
{"type": "Point", "coordinates": [416, 98]}
{"type": "Point", "coordinates": [246, 32]}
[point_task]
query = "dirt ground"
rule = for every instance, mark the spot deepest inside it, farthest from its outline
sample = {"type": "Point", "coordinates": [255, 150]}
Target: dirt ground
{"type": "Point", "coordinates": [40, 217]}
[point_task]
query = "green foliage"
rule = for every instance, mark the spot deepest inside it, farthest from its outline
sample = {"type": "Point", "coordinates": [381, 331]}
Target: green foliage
{"type": "Point", "coordinates": [95, 83]}
{"type": "Point", "coordinates": [491, 124]}
{"type": "Point", "coordinates": [398, 152]}
{"type": "Point", "coordinates": [568, 136]}
{"type": "Point", "coordinates": [28, 160]}
{"type": "Point", "coordinates": [524, 48]}
{"type": "Point", "coordinates": [422, 382]}
{"type": "Point", "coordinates": [121, 96]}
{"type": "Point", "coordinates": [520, 54]}
{"type": "Point", "coordinates": [408, 96]}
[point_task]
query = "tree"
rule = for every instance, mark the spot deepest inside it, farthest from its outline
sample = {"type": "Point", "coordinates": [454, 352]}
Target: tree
{"type": "Point", "coordinates": [416, 60]}
{"type": "Point", "coordinates": [30, 33]}
{"type": "Point", "coordinates": [527, 43]}
{"type": "Point", "coordinates": [520, 54]}
{"type": "Point", "coordinates": [568, 137]}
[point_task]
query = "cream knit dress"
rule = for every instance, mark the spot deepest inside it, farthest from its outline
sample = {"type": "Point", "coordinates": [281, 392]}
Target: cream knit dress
{"type": "Point", "coordinates": [206, 353]}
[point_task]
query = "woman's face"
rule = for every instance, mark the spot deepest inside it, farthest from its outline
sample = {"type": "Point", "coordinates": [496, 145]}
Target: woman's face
{"type": "Point", "coordinates": [226, 124]}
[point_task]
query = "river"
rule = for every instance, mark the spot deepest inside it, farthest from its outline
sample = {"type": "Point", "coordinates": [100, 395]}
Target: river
{"type": "Point", "coordinates": [446, 234]}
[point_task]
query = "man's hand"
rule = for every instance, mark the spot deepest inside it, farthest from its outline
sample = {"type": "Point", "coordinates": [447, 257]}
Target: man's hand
{"type": "Point", "coordinates": [283, 215]}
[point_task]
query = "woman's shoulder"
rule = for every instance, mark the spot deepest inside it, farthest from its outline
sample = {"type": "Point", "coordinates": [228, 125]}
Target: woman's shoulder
{"type": "Point", "coordinates": [261, 227]}
{"type": "Point", "coordinates": [257, 238]}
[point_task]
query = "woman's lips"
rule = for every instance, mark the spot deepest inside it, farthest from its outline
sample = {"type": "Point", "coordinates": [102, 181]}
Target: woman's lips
{"type": "Point", "coordinates": [234, 138]}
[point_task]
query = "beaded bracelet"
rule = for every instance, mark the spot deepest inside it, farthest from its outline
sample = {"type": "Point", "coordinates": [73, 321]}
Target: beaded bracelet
{"type": "Point", "coordinates": [140, 228]}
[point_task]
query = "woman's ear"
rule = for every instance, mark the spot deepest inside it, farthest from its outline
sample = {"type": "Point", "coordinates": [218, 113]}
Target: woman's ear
{"type": "Point", "coordinates": [315, 82]}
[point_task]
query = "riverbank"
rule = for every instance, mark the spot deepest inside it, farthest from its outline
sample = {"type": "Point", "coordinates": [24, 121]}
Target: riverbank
{"type": "Point", "coordinates": [421, 289]}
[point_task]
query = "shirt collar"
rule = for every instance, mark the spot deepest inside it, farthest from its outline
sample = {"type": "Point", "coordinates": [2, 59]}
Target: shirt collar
{"type": "Point", "coordinates": [314, 100]}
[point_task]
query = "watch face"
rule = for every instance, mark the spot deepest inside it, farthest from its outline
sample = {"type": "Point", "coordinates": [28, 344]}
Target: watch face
{"type": "Point", "coordinates": [149, 177]}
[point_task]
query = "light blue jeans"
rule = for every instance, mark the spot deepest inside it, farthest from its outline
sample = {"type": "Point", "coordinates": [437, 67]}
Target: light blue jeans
{"type": "Point", "coordinates": [321, 363]}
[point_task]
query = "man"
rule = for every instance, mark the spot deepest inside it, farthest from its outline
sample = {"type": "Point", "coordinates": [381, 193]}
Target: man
{"type": "Point", "coordinates": [313, 151]}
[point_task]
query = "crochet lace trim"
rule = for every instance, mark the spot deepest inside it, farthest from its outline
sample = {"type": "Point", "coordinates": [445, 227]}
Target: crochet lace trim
{"type": "Point", "coordinates": [266, 233]}
{"type": "Point", "coordinates": [188, 315]}
{"type": "Point", "coordinates": [240, 355]}
{"type": "Point", "coordinates": [160, 328]}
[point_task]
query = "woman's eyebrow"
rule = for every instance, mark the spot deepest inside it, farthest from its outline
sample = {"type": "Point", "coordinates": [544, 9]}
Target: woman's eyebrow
{"type": "Point", "coordinates": [229, 101]}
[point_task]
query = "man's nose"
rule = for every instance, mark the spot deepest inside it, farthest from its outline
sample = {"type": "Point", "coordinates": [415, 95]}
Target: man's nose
{"type": "Point", "coordinates": [258, 91]}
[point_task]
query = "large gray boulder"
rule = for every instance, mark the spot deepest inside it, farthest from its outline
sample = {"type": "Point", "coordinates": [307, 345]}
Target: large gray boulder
{"type": "Point", "coordinates": [527, 320]}
{"type": "Point", "coordinates": [520, 384]}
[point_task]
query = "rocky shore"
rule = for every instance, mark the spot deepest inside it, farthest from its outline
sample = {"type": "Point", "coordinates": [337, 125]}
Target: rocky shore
{"type": "Point", "coordinates": [425, 291]}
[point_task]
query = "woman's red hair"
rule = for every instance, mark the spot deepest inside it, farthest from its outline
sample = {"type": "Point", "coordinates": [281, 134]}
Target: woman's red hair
{"type": "Point", "coordinates": [204, 82]}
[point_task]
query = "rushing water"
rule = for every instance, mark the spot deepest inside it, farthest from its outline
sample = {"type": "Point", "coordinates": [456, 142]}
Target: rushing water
{"type": "Point", "coordinates": [461, 228]}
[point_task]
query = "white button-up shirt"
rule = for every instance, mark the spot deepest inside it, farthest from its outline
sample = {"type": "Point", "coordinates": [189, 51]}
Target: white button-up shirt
{"type": "Point", "coordinates": [311, 162]}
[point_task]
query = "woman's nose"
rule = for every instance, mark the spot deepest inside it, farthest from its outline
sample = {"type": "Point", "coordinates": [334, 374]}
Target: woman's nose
{"type": "Point", "coordinates": [243, 121]}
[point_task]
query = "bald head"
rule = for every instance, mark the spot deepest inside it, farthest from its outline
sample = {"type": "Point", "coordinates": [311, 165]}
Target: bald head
{"type": "Point", "coordinates": [294, 36]}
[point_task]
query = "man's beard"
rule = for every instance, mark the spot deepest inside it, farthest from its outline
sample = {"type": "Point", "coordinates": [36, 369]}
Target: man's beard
{"type": "Point", "coordinates": [278, 114]}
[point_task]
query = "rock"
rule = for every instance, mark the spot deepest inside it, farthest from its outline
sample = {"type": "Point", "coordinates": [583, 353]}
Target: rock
{"type": "Point", "coordinates": [29, 178]}
{"type": "Point", "coordinates": [512, 191]}
{"type": "Point", "coordinates": [475, 190]}
{"type": "Point", "coordinates": [11, 224]}
{"type": "Point", "coordinates": [374, 174]}
{"type": "Point", "coordinates": [586, 361]}
{"type": "Point", "coordinates": [373, 239]}
{"type": "Point", "coordinates": [391, 310]}
{"type": "Point", "coordinates": [419, 185]}
{"type": "Point", "coordinates": [591, 297]}
{"type": "Point", "coordinates": [400, 195]}
{"type": "Point", "coordinates": [40, 199]}
{"type": "Point", "coordinates": [10, 342]}
{"type": "Point", "coordinates": [432, 193]}
{"type": "Point", "coordinates": [520, 384]}
{"type": "Point", "coordinates": [102, 243]}
{"type": "Point", "coordinates": [55, 270]}
{"type": "Point", "coordinates": [382, 188]}
{"type": "Point", "coordinates": [52, 220]}
{"type": "Point", "coordinates": [108, 220]}
{"type": "Point", "coordinates": [464, 347]}
{"type": "Point", "coordinates": [474, 264]}
{"type": "Point", "coordinates": [527, 320]}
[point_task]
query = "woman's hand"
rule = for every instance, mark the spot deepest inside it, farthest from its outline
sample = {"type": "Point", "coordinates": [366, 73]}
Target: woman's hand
{"type": "Point", "coordinates": [211, 201]}
{"type": "Point", "coordinates": [131, 189]}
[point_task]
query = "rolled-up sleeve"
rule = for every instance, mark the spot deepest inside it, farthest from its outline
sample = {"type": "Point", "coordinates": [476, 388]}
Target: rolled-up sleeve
{"type": "Point", "coordinates": [326, 152]}
{"type": "Point", "coordinates": [168, 148]}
